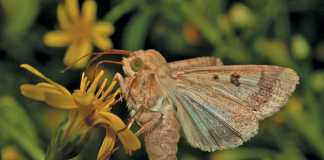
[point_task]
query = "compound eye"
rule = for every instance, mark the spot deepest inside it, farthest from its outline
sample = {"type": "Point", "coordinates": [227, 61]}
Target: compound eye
{"type": "Point", "coordinates": [137, 64]}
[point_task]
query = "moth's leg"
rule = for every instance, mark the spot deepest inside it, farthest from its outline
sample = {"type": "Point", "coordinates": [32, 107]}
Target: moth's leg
{"type": "Point", "coordinates": [122, 83]}
{"type": "Point", "coordinates": [131, 120]}
{"type": "Point", "coordinates": [149, 119]}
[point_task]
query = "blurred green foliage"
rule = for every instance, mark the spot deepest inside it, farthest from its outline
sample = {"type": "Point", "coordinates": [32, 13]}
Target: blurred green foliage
{"type": "Point", "coordinates": [16, 127]}
{"type": "Point", "coordinates": [278, 32]}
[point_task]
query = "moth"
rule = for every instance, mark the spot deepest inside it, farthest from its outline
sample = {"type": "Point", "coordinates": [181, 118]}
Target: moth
{"type": "Point", "coordinates": [215, 106]}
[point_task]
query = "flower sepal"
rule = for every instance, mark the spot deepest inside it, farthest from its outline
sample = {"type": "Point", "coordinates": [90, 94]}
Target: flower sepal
{"type": "Point", "coordinates": [70, 138]}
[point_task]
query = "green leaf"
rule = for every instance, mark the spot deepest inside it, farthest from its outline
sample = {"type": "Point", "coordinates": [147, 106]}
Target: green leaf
{"type": "Point", "coordinates": [19, 16]}
{"type": "Point", "coordinates": [136, 30]}
{"type": "Point", "coordinates": [243, 153]}
{"type": "Point", "coordinates": [16, 126]}
{"type": "Point", "coordinates": [121, 9]}
{"type": "Point", "coordinates": [275, 50]}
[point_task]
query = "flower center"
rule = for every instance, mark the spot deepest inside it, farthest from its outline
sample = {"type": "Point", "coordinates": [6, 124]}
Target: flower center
{"type": "Point", "coordinates": [80, 29]}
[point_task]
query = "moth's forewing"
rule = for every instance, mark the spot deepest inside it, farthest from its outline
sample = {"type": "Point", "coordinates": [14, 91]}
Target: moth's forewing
{"type": "Point", "coordinates": [225, 102]}
{"type": "Point", "coordinates": [263, 88]}
{"type": "Point", "coordinates": [195, 62]}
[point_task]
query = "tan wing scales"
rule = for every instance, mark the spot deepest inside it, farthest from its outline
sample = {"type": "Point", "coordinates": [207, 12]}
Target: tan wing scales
{"type": "Point", "coordinates": [195, 62]}
{"type": "Point", "coordinates": [262, 88]}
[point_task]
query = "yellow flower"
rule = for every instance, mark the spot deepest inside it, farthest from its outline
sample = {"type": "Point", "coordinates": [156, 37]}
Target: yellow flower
{"type": "Point", "coordinates": [295, 105]}
{"type": "Point", "coordinates": [93, 103]}
{"type": "Point", "coordinates": [78, 31]}
{"type": "Point", "coordinates": [279, 118]}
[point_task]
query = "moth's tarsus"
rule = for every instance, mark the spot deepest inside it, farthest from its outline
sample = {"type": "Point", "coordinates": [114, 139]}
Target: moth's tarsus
{"type": "Point", "coordinates": [235, 79]}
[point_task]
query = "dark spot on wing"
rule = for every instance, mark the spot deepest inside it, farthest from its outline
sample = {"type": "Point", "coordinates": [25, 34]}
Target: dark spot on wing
{"type": "Point", "coordinates": [215, 77]}
{"type": "Point", "coordinates": [235, 79]}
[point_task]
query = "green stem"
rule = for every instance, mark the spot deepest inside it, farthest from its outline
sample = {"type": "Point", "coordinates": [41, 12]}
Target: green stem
{"type": "Point", "coordinates": [208, 30]}
{"type": "Point", "coordinates": [121, 9]}
{"type": "Point", "coordinates": [233, 49]}
{"type": "Point", "coordinates": [70, 138]}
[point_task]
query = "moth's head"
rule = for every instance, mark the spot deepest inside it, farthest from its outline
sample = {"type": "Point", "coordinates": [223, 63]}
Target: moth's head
{"type": "Point", "coordinates": [142, 60]}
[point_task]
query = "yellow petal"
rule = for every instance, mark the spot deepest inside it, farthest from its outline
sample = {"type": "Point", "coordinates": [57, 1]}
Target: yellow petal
{"type": "Point", "coordinates": [40, 75]}
{"type": "Point", "coordinates": [72, 8]}
{"type": "Point", "coordinates": [104, 28]}
{"type": "Point", "coordinates": [62, 17]}
{"type": "Point", "coordinates": [129, 140]}
{"type": "Point", "coordinates": [83, 83]}
{"type": "Point", "coordinates": [109, 102]}
{"type": "Point", "coordinates": [102, 86]}
{"type": "Point", "coordinates": [107, 145]}
{"type": "Point", "coordinates": [76, 54]}
{"type": "Point", "coordinates": [57, 39]}
{"type": "Point", "coordinates": [102, 42]}
{"type": "Point", "coordinates": [60, 101]}
{"type": "Point", "coordinates": [83, 99]}
{"type": "Point", "coordinates": [36, 92]}
{"type": "Point", "coordinates": [95, 82]}
{"type": "Point", "coordinates": [89, 10]}
{"type": "Point", "coordinates": [109, 89]}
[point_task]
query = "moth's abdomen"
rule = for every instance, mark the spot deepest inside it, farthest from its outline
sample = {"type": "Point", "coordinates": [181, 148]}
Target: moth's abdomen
{"type": "Point", "coordinates": [161, 141]}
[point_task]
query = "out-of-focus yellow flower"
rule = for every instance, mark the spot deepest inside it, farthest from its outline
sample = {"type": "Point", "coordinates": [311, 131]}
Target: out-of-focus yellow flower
{"type": "Point", "coordinates": [275, 50]}
{"type": "Point", "coordinates": [93, 103]}
{"type": "Point", "coordinates": [241, 16]}
{"type": "Point", "coordinates": [316, 79]}
{"type": "Point", "coordinates": [295, 105]}
{"type": "Point", "coordinates": [300, 47]}
{"type": "Point", "coordinates": [279, 118]}
{"type": "Point", "coordinates": [10, 153]}
{"type": "Point", "coordinates": [78, 29]}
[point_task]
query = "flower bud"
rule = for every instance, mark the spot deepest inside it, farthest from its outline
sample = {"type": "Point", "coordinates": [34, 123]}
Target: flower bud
{"type": "Point", "coordinates": [274, 50]}
{"type": "Point", "coordinates": [241, 16]}
{"type": "Point", "coordinates": [316, 81]}
{"type": "Point", "coordinates": [299, 47]}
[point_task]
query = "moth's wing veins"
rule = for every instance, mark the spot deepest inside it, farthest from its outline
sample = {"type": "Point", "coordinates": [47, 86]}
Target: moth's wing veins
{"type": "Point", "coordinates": [210, 126]}
{"type": "Point", "coordinates": [264, 89]}
{"type": "Point", "coordinates": [195, 62]}
{"type": "Point", "coordinates": [219, 107]}
{"type": "Point", "coordinates": [282, 84]}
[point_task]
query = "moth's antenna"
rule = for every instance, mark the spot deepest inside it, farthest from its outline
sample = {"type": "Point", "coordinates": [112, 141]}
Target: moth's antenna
{"type": "Point", "coordinates": [98, 55]}
{"type": "Point", "coordinates": [119, 51]}
{"type": "Point", "coordinates": [105, 62]}
{"type": "Point", "coordinates": [76, 61]}
{"type": "Point", "coordinates": [110, 52]}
